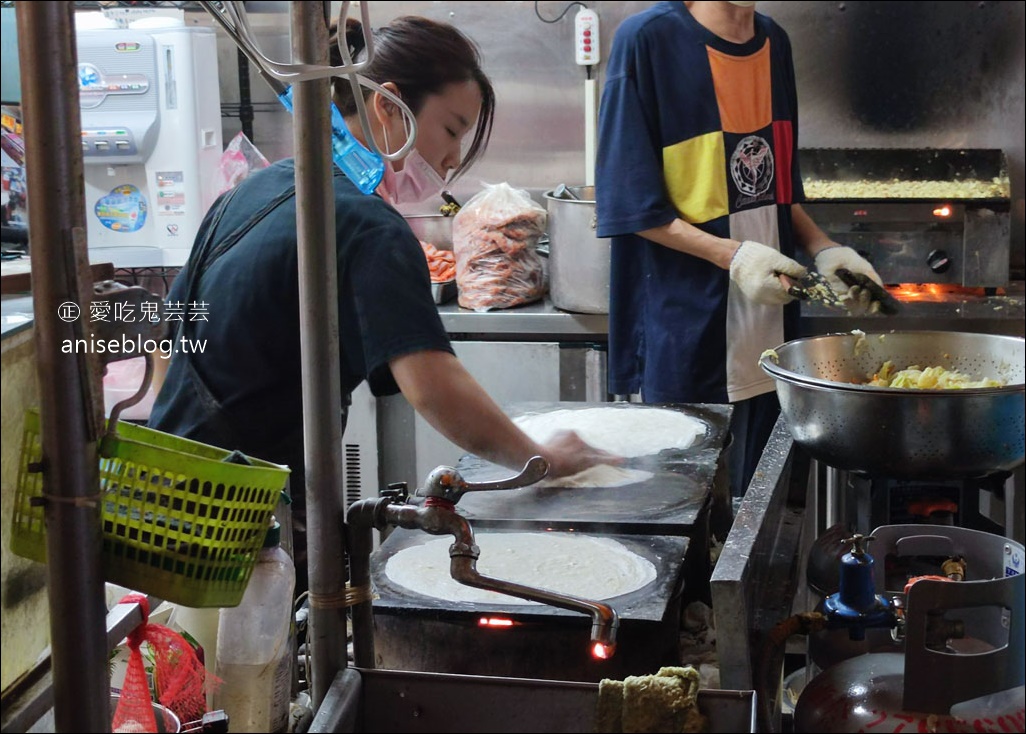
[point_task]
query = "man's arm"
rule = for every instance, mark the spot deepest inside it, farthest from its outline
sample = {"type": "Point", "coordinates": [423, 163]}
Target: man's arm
{"type": "Point", "coordinates": [683, 237]}
{"type": "Point", "coordinates": [762, 273]}
{"type": "Point", "coordinates": [830, 256]}
{"type": "Point", "coordinates": [807, 233]}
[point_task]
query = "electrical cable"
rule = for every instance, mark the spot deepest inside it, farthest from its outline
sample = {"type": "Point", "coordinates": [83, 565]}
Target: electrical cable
{"type": "Point", "coordinates": [560, 16]}
{"type": "Point", "coordinates": [305, 72]}
{"type": "Point", "coordinates": [587, 67]}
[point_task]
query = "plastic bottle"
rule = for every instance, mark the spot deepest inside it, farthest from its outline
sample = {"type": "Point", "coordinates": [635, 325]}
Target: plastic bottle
{"type": "Point", "coordinates": [254, 650]}
{"type": "Point", "coordinates": [361, 166]}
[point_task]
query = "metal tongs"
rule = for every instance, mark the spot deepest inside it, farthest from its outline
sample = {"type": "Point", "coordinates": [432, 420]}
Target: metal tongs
{"type": "Point", "coordinates": [813, 286]}
{"type": "Point", "coordinates": [451, 207]}
{"type": "Point", "coordinates": [565, 192]}
{"type": "Point", "coordinates": [212, 723]}
{"type": "Point", "coordinates": [889, 305]}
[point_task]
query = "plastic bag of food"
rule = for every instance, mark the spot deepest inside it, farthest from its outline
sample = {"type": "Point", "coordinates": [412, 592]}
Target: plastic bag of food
{"type": "Point", "coordinates": [494, 236]}
{"type": "Point", "coordinates": [239, 160]}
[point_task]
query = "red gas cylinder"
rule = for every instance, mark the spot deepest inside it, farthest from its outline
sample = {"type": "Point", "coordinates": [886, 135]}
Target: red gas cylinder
{"type": "Point", "coordinates": [864, 694]}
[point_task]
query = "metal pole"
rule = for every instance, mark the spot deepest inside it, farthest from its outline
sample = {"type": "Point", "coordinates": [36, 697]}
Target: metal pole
{"type": "Point", "coordinates": [68, 383]}
{"type": "Point", "coordinates": [318, 323]}
{"type": "Point", "coordinates": [245, 97]}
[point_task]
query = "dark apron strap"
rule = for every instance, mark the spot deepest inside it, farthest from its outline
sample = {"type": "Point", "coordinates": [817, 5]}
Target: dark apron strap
{"type": "Point", "coordinates": [204, 254]}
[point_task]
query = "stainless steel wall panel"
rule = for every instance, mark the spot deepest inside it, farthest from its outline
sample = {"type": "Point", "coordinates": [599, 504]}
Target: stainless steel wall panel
{"type": "Point", "coordinates": [870, 74]}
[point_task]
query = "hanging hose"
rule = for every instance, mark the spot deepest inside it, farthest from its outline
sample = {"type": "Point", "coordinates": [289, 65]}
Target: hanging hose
{"type": "Point", "coordinates": [804, 623]}
{"type": "Point", "coordinates": [232, 18]}
{"type": "Point", "coordinates": [361, 161]}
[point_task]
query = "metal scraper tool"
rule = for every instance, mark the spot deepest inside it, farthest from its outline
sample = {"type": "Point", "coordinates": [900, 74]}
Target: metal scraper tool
{"type": "Point", "coordinates": [813, 286]}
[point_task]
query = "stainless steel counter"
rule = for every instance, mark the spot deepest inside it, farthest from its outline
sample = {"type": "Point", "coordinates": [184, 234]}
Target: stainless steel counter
{"type": "Point", "coordinates": [534, 320]}
{"type": "Point", "coordinates": [757, 574]}
{"type": "Point", "coordinates": [1004, 314]}
{"type": "Point", "coordinates": [15, 314]}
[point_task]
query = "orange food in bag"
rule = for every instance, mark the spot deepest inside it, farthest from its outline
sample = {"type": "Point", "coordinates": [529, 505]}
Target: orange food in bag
{"type": "Point", "coordinates": [494, 238]}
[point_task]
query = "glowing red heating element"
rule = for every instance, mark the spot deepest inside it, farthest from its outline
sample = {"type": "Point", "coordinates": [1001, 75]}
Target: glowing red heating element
{"type": "Point", "coordinates": [601, 651]}
{"type": "Point", "coordinates": [495, 622]}
{"type": "Point", "coordinates": [940, 292]}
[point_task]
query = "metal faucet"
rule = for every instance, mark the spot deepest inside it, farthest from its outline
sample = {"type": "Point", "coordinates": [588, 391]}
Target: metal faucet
{"type": "Point", "coordinates": [437, 515]}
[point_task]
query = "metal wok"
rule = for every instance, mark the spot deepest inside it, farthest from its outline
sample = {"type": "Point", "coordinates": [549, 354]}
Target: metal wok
{"type": "Point", "coordinates": [901, 433]}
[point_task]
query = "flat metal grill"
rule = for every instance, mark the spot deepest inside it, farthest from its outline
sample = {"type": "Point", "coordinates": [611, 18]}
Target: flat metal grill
{"type": "Point", "coordinates": [939, 216]}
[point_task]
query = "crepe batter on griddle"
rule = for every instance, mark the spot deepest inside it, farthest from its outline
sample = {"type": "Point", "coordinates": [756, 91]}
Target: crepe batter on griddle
{"type": "Point", "coordinates": [627, 433]}
{"type": "Point", "coordinates": [583, 566]}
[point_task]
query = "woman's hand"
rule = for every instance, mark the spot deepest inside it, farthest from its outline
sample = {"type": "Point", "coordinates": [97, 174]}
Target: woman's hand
{"type": "Point", "coordinates": [443, 392]}
{"type": "Point", "coordinates": [568, 453]}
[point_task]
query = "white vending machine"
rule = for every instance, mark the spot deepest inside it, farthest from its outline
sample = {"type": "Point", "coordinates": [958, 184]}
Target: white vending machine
{"type": "Point", "coordinates": [151, 138]}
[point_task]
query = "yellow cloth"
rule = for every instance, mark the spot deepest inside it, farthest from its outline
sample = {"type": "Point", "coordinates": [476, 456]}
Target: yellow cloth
{"type": "Point", "coordinates": [664, 702]}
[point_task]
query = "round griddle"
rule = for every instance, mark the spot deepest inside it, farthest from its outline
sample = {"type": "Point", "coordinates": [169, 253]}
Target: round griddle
{"type": "Point", "coordinates": [647, 603]}
{"type": "Point", "coordinates": [671, 502]}
{"type": "Point", "coordinates": [416, 632]}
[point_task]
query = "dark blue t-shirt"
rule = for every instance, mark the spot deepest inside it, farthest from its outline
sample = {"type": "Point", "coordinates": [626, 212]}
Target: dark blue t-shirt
{"type": "Point", "coordinates": [701, 129]}
{"type": "Point", "coordinates": [244, 391]}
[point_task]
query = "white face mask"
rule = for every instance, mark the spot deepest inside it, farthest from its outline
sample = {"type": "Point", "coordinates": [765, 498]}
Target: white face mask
{"type": "Point", "coordinates": [416, 182]}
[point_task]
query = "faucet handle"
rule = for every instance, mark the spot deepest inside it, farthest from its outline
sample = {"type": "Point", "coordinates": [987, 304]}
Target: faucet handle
{"type": "Point", "coordinates": [448, 484]}
{"type": "Point", "coordinates": [534, 471]}
{"type": "Point", "coordinates": [398, 492]}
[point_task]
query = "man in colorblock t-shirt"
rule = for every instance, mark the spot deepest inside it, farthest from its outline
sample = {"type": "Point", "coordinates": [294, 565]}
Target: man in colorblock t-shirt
{"type": "Point", "coordinates": [698, 186]}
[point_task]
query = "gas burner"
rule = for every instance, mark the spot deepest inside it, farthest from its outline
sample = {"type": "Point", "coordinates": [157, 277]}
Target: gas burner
{"type": "Point", "coordinates": [940, 292]}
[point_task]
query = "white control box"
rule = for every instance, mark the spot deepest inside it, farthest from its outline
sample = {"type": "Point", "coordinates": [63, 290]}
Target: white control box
{"type": "Point", "coordinates": [586, 37]}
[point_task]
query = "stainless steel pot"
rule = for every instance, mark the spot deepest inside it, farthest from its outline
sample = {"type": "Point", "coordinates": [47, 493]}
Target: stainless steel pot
{"type": "Point", "coordinates": [433, 228]}
{"type": "Point", "coordinates": [578, 260]}
{"type": "Point", "coordinates": [900, 433]}
{"type": "Point", "coordinates": [166, 719]}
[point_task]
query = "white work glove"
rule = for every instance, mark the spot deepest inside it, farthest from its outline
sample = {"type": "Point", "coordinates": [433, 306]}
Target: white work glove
{"type": "Point", "coordinates": [857, 300]}
{"type": "Point", "coordinates": [756, 269]}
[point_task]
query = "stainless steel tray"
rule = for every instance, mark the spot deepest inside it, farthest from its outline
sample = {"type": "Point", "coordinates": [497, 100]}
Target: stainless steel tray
{"type": "Point", "coordinates": [908, 166]}
{"type": "Point", "coordinates": [444, 292]}
{"type": "Point", "coordinates": [394, 701]}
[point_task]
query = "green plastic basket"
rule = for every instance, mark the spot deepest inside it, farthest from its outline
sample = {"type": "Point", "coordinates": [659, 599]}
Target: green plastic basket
{"type": "Point", "coordinates": [178, 521]}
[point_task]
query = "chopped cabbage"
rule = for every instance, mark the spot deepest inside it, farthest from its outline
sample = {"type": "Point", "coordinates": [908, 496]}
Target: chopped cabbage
{"type": "Point", "coordinates": [931, 378]}
{"type": "Point", "coordinates": [860, 341]}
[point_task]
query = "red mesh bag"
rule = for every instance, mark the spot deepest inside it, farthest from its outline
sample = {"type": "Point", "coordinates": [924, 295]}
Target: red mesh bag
{"type": "Point", "coordinates": [179, 678]}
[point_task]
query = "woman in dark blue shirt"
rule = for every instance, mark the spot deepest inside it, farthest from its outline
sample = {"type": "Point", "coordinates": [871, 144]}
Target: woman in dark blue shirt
{"type": "Point", "coordinates": [244, 391]}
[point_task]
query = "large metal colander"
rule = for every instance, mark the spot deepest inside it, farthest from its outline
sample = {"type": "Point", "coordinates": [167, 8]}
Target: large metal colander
{"type": "Point", "coordinates": [900, 433]}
